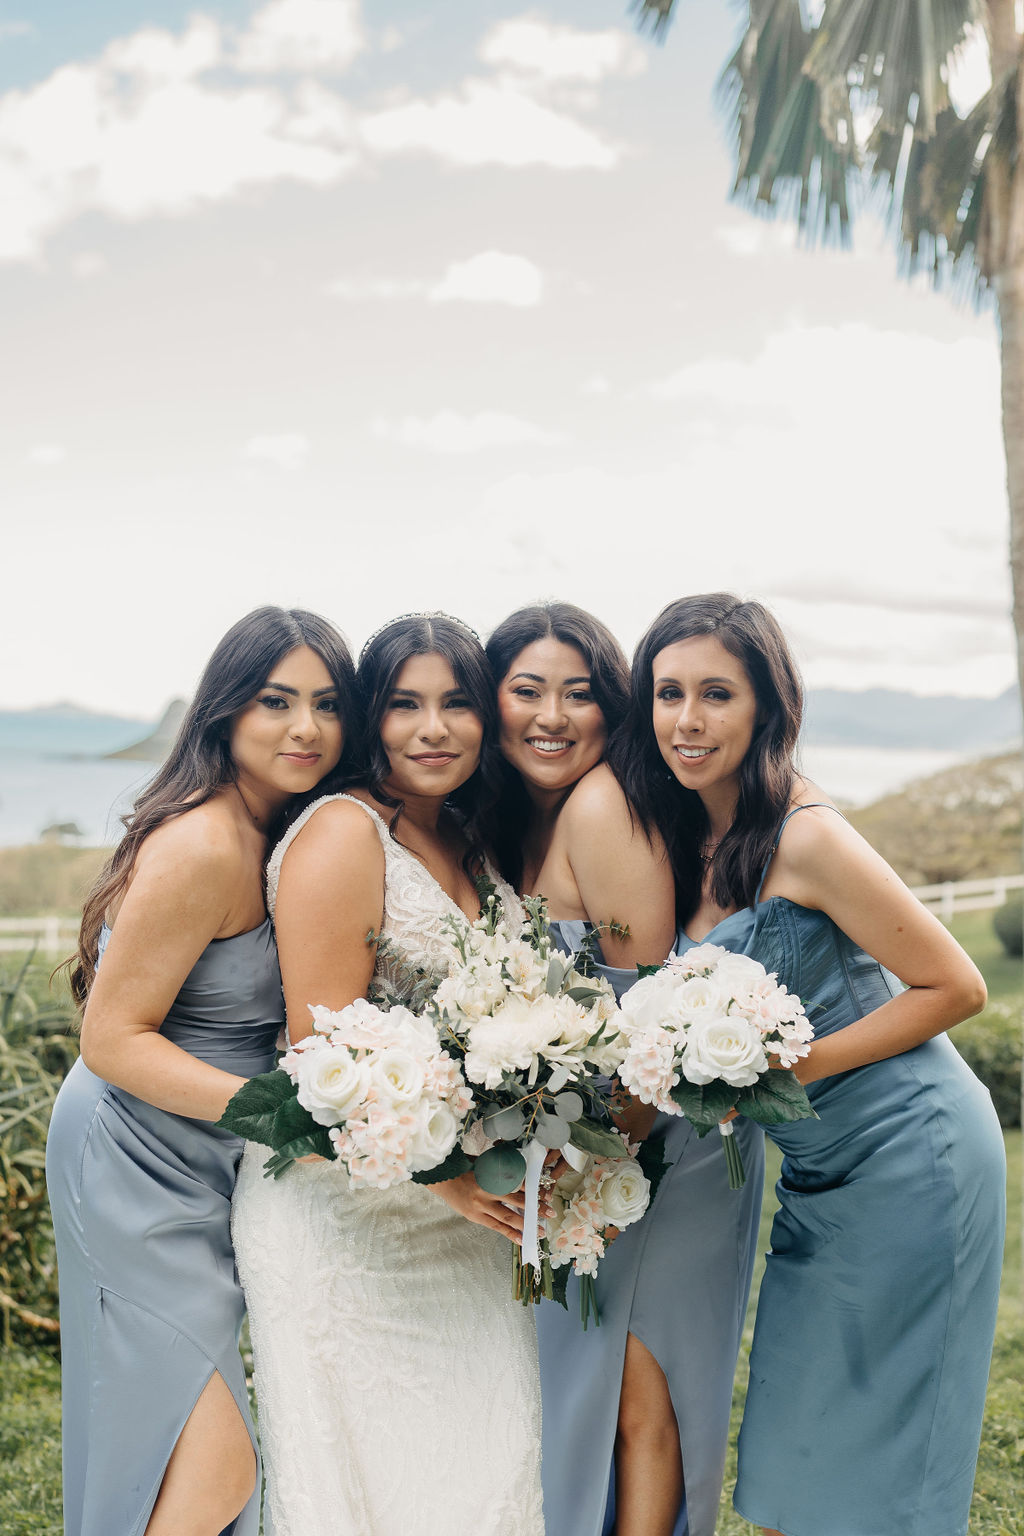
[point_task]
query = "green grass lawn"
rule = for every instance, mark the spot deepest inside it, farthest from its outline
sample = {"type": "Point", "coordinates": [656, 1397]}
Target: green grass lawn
{"type": "Point", "coordinates": [30, 1412]}
{"type": "Point", "coordinates": [1004, 976]}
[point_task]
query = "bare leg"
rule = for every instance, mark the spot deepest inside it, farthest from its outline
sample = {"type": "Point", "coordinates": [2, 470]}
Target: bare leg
{"type": "Point", "coordinates": [211, 1472]}
{"type": "Point", "coordinates": [648, 1460]}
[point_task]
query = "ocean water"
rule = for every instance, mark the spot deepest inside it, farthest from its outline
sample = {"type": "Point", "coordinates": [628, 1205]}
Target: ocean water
{"type": "Point", "coordinates": [39, 788]}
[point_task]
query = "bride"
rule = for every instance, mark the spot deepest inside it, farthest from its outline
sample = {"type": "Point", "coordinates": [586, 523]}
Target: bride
{"type": "Point", "coordinates": [396, 1376]}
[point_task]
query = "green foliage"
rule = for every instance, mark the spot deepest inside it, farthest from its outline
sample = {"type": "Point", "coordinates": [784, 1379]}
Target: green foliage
{"type": "Point", "coordinates": [45, 878]}
{"type": "Point", "coordinates": [1008, 922]}
{"type": "Point", "coordinates": [991, 1046]}
{"type": "Point", "coordinates": [596, 1139]}
{"type": "Point", "coordinates": [1003, 974]}
{"type": "Point", "coordinates": [454, 1165]}
{"type": "Point", "coordinates": [36, 1050]}
{"type": "Point", "coordinates": [500, 1169]}
{"type": "Point", "coordinates": [30, 1492]}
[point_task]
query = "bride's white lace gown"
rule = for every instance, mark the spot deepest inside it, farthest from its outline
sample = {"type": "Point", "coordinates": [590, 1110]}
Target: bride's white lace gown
{"type": "Point", "coordinates": [396, 1377]}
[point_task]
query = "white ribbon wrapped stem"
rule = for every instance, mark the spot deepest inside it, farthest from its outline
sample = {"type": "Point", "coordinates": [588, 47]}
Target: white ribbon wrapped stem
{"type": "Point", "coordinates": [534, 1154]}
{"type": "Point", "coordinates": [576, 1159]}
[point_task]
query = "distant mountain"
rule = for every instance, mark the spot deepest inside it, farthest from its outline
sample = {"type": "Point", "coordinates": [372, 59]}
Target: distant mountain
{"type": "Point", "coordinates": [882, 717]}
{"type": "Point", "coordinates": [155, 747]}
{"type": "Point", "coordinates": [63, 730]}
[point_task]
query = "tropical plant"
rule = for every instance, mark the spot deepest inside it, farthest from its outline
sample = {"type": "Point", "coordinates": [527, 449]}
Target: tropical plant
{"type": "Point", "coordinates": [36, 1050]}
{"type": "Point", "coordinates": [831, 94]}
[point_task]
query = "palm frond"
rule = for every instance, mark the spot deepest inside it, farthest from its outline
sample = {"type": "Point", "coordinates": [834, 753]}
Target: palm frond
{"type": "Point", "coordinates": [653, 15]}
{"type": "Point", "coordinates": [895, 50]}
{"type": "Point", "coordinates": [787, 160]}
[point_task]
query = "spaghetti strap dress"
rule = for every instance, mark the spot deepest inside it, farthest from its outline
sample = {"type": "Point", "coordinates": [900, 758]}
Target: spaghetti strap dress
{"type": "Point", "coordinates": [678, 1280]}
{"type": "Point", "coordinates": [150, 1302]}
{"type": "Point", "coordinates": [877, 1311]}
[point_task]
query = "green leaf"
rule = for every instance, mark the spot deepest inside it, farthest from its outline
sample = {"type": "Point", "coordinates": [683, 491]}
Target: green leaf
{"type": "Point", "coordinates": [317, 1142]}
{"type": "Point", "coordinates": [647, 970]}
{"type": "Point", "coordinates": [251, 1111]}
{"type": "Point", "coordinates": [704, 1105]}
{"type": "Point", "coordinates": [291, 1121]}
{"type": "Point", "coordinates": [653, 1163]}
{"type": "Point", "coordinates": [556, 975]}
{"type": "Point", "coordinates": [596, 1139]}
{"type": "Point", "coordinates": [775, 1098]}
{"type": "Point", "coordinates": [559, 1283]}
{"type": "Point", "coordinates": [455, 1163]}
{"type": "Point", "coordinates": [500, 1169]}
{"type": "Point", "coordinates": [584, 995]}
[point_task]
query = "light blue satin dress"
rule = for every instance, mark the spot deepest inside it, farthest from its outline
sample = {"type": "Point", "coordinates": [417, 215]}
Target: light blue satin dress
{"type": "Point", "coordinates": [150, 1303]}
{"type": "Point", "coordinates": [678, 1280]}
{"type": "Point", "coordinates": [877, 1310]}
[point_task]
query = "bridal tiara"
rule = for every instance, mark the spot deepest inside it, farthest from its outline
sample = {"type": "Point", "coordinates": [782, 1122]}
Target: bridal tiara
{"type": "Point", "coordinates": [422, 613]}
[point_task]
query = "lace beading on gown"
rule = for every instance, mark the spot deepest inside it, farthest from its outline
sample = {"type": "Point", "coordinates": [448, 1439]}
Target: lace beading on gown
{"type": "Point", "coordinates": [396, 1377]}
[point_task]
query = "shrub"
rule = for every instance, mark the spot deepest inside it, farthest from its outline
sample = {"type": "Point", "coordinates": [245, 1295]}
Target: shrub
{"type": "Point", "coordinates": [36, 1050]}
{"type": "Point", "coordinates": [991, 1047]}
{"type": "Point", "coordinates": [1008, 922]}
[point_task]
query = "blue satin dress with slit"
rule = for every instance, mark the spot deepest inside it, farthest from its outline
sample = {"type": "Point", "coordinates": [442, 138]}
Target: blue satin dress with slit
{"type": "Point", "coordinates": [678, 1280]}
{"type": "Point", "coordinates": [877, 1310]}
{"type": "Point", "coordinates": [149, 1299]}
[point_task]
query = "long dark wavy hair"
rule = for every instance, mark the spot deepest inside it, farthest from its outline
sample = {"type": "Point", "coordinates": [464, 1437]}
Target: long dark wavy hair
{"type": "Point", "coordinates": [382, 659]}
{"type": "Point", "coordinates": [751, 634]}
{"type": "Point", "coordinates": [200, 761]}
{"type": "Point", "coordinates": [609, 683]}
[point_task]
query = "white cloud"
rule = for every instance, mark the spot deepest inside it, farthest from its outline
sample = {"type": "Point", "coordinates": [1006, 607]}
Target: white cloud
{"type": "Point", "coordinates": [46, 455]}
{"type": "Point", "coordinates": [491, 278]}
{"type": "Point", "coordinates": [302, 36]}
{"type": "Point", "coordinates": [754, 236]}
{"type": "Point", "coordinates": [597, 384]}
{"type": "Point", "coordinates": [488, 123]}
{"type": "Point", "coordinates": [285, 450]}
{"type": "Point", "coordinates": [357, 289]}
{"type": "Point", "coordinates": [138, 133]}
{"type": "Point", "coordinates": [87, 264]}
{"type": "Point", "coordinates": [539, 47]}
{"type": "Point", "coordinates": [450, 432]}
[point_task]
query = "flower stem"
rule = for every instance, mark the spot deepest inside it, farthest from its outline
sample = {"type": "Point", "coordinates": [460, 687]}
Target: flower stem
{"type": "Point", "coordinates": [733, 1157]}
{"type": "Point", "coordinates": [588, 1302]}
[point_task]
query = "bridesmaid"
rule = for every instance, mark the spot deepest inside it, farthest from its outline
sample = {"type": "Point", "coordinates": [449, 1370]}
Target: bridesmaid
{"type": "Point", "coordinates": [636, 1413]}
{"type": "Point", "coordinates": [876, 1315]}
{"type": "Point", "coordinates": [185, 1005]}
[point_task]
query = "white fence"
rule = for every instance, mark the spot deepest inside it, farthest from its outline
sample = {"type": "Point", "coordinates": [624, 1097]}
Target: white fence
{"type": "Point", "coordinates": [47, 935]}
{"type": "Point", "coordinates": [953, 896]}
{"type": "Point", "coordinates": [57, 936]}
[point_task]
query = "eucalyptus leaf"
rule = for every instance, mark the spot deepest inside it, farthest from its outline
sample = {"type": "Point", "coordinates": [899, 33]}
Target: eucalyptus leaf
{"type": "Point", "coordinates": [551, 1130]}
{"type": "Point", "coordinates": [251, 1111]}
{"type": "Point", "coordinates": [569, 1106]}
{"type": "Point", "coordinates": [596, 1139]}
{"type": "Point", "coordinates": [454, 1164]}
{"type": "Point", "coordinates": [556, 975]}
{"type": "Point", "coordinates": [584, 995]}
{"type": "Point", "coordinates": [500, 1169]}
{"type": "Point", "coordinates": [505, 1124]}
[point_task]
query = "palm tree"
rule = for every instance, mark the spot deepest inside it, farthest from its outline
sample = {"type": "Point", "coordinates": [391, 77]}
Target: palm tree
{"type": "Point", "coordinates": [839, 93]}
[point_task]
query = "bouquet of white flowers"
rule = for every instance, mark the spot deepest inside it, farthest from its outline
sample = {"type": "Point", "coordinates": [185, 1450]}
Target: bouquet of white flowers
{"type": "Point", "coordinates": [606, 1192]}
{"type": "Point", "coordinates": [370, 1088]}
{"type": "Point", "coordinates": [538, 1040]}
{"type": "Point", "coordinates": [711, 1031]}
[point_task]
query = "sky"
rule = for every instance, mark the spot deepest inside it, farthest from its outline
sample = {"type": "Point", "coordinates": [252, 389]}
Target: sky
{"type": "Point", "coordinates": [373, 307]}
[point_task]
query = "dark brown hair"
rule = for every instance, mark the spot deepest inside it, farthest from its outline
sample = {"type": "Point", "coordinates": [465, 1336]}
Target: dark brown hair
{"type": "Point", "coordinates": [751, 634]}
{"type": "Point", "coordinates": [609, 683]}
{"type": "Point", "coordinates": [200, 762]}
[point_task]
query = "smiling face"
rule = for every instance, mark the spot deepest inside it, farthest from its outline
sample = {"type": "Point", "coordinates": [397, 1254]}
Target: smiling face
{"type": "Point", "coordinates": [704, 715]}
{"type": "Point", "coordinates": [429, 730]}
{"type": "Point", "coordinates": [552, 728]}
{"type": "Point", "coordinates": [290, 736]}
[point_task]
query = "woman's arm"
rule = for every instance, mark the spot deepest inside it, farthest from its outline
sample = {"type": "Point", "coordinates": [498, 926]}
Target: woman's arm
{"type": "Point", "coordinates": [621, 876]}
{"type": "Point", "coordinates": [330, 895]}
{"type": "Point", "coordinates": [184, 892]}
{"type": "Point", "coordinates": [824, 864]}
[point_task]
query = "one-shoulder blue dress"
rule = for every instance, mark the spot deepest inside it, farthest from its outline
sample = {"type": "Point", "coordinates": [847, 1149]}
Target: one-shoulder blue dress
{"type": "Point", "coordinates": [877, 1311]}
{"type": "Point", "coordinates": [678, 1280]}
{"type": "Point", "coordinates": [150, 1303]}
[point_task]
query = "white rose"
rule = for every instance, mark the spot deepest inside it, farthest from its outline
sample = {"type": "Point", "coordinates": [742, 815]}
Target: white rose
{"type": "Point", "coordinates": [434, 1137]}
{"type": "Point", "coordinates": [702, 957]}
{"type": "Point", "coordinates": [740, 977]}
{"type": "Point", "coordinates": [397, 1075]}
{"type": "Point", "coordinates": [699, 999]}
{"type": "Point", "coordinates": [625, 1194]}
{"type": "Point", "coordinates": [728, 1048]}
{"type": "Point", "coordinates": [647, 1002]}
{"type": "Point", "coordinates": [330, 1084]}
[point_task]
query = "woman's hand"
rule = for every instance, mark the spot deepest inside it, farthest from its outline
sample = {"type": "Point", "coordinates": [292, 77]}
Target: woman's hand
{"type": "Point", "coordinates": [501, 1213]}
